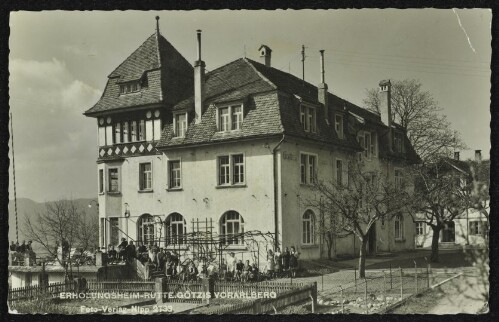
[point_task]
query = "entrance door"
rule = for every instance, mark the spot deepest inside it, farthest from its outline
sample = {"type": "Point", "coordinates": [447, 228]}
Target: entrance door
{"type": "Point", "coordinates": [448, 233]}
{"type": "Point", "coordinates": [372, 240]}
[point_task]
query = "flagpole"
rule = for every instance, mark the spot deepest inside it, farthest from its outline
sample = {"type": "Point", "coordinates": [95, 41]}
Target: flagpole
{"type": "Point", "coordinates": [14, 176]}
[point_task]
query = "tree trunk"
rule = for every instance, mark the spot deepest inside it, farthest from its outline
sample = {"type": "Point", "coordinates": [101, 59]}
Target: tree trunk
{"type": "Point", "coordinates": [434, 243]}
{"type": "Point", "coordinates": [362, 257]}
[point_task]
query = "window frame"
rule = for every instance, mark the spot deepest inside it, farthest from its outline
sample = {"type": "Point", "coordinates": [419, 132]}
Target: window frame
{"type": "Point", "coordinates": [101, 182]}
{"type": "Point", "coordinates": [398, 223]}
{"type": "Point", "coordinates": [170, 174]}
{"type": "Point", "coordinates": [223, 229]}
{"type": "Point", "coordinates": [177, 238]}
{"type": "Point", "coordinates": [308, 228]}
{"type": "Point", "coordinates": [338, 125]}
{"type": "Point", "coordinates": [339, 179]}
{"type": "Point", "coordinates": [130, 87]}
{"type": "Point", "coordinates": [398, 179]}
{"type": "Point", "coordinates": [142, 185]}
{"type": "Point", "coordinates": [309, 180]}
{"type": "Point", "coordinates": [231, 167]}
{"type": "Point", "coordinates": [478, 226]}
{"type": "Point", "coordinates": [141, 232]}
{"type": "Point", "coordinates": [176, 123]}
{"type": "Point", "coordinates": [420, 228]}
{"type": "Point", "coordinates": [308, 118]}
{"type": "Point", "coordinates": [226, 124]}
{"type": "Point", "coordinates": [109, 181]}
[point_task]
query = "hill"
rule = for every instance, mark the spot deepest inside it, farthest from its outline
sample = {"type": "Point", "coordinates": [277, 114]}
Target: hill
{"type": "Point", "coordinates": [27, 208]}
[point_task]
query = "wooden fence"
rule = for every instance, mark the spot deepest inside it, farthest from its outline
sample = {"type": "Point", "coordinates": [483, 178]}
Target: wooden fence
{"type": "Point", "coordinates": [37, 291]}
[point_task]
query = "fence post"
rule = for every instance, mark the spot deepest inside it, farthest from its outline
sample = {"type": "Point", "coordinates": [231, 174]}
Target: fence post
{"type": "Point", "coordinates": [391, 279]}
{"type": "Point", "coordinates": [384, 288]}
{"type": "Point", "coordinates": [416, 275]}
{"type": "Point", "coordinates": [401, 285]}
{"type": "Point", "coordinates": [322, 277]}
{"type": "Point", "coordinates": [314, 294]}
{"type": "Point", "coordinates": [355, 278]}
{"type": "Point", "coordinates": [365, 294]}
{"type": "Point", "coordinates": [428, 275]}
{"type": "Point", "coordinates": [341, 299]}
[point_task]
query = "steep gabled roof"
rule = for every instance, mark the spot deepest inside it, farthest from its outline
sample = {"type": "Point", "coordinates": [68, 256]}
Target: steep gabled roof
{"type": "Point", "coordinates": [167, 76]}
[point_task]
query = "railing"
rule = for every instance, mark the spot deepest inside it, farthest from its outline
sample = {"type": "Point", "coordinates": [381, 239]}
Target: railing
{"type": "Point", "coordinates": [222, 286]}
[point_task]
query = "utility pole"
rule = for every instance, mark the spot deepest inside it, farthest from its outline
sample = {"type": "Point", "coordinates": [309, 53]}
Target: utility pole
{"type": "Point", "coordinates": [303, 62]}
{"type": "Point", "coordinates": [14, 176]}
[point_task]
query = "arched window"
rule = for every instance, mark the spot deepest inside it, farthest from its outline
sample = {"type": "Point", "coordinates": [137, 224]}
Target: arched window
{"type": "Point", "coordinates": [175, 229]}
{"type": "Point", "coordinates": [308, 227]}
{"type": "Point", "coordinates": [232, 228]}
{"type": "Point", "coordinates": [399, 227]}
{"type": "Point", "coordinates": [145, 229]}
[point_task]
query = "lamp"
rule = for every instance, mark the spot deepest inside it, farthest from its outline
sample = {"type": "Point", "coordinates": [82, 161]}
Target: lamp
{"type": "Point", "coordinates": [127, 210]}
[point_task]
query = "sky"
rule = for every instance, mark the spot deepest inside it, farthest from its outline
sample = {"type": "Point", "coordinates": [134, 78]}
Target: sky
{"type": "Point", "coordinates": [59, 62]}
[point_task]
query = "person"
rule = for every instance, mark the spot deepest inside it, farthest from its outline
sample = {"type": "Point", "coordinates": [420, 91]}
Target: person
{"type": "Point", "coordinates": [278, 262]}
{"type": "Point", "coordinates": [18, 248]}
{"type": "Point", "coordinates": [142, 252]}
{"type": "Point", "coordinates": [29, 247]}
{"type": "Point", "coordinates": [122, 249]}
{"type": "Point", "coordinates": [111, 254]}
{"type": "Point", "coordinates": [293, 261]}
{"type": "Point", "coordinates": [246, 271]}
{"type": "Point", "coordinates": [231, 265]}
{"type": "Point", "coordinates": [169, 267]}
{"type": "Point", "coordinates": [160, 260]}
{"type": "Point", "coordinates": [253, 276]}
{"type": "Point", "coordinates": [223, 270]}
{"type": "Point", "coordinates": [12, 247]}
{"type": "Point", "coordinates": [270, 264]}
{"type": "Point", "coordinates": [285, 261]}
{"type": "Point", "coordinates": [130, 250]}
{"type": "Point", "coordinates": [192, 272]}
{"type": "Point", "coordinates": [239, 270]}
{"type": "Point", "coordinates": [22, 248]}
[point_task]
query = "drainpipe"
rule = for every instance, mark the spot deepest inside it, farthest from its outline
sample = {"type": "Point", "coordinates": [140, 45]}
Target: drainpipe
{"type": "Point", "coordinates": [276, 202]}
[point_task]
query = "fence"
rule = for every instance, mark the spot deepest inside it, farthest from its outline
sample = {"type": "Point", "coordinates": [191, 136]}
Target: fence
{"type": "Point", "coordinates": [377, 290]}
{"type": "Point", "coordinates": [38, 291]}
{"type": "Point", "coordinates": [296, 294]}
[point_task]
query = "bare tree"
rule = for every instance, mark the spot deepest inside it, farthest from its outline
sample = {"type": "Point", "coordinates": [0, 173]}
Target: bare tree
{"type": "Point", "coordinates": [355, 207]}
{"type": "Point", "coordinates": [440, 196]}
{"type": "Point", "coordinates": [418, 113]}
{"type": "Point", "coordinates": [61, 224]}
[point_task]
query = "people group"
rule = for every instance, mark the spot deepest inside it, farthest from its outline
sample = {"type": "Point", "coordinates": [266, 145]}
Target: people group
{"type": "Point", "coordinates": [282, 264]}
{"type": "Point", "coordinates": [18, 251]}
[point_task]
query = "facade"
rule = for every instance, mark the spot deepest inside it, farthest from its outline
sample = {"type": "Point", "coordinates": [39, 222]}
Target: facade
{"type": "Point", "coordinates": [214, 162]}
{"type": "Point", "coordinates": [468, 228]}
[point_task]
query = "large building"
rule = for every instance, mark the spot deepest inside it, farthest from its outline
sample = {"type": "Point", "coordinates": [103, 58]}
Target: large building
{"type": "Point", "coordinates": [210, 161]}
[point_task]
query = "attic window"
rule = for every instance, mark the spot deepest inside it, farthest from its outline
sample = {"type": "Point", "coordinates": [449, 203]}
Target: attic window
{"type": "Point", "coordinates": [130, 87]}
{"type": "Point", "coordinates": [308, 118]}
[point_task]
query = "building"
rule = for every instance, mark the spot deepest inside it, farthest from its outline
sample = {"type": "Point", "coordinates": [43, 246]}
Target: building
{"type": "Point", "coordinates": [467, 229]}
{"type": "Point", "coordinates": [218, 161]}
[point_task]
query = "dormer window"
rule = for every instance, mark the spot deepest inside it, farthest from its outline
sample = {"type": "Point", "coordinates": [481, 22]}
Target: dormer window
{"type": "Point", "coordinates": [338, 125]}
{"type": "Point", "coordinates": [308, 118]}
{"type": "Point", "coordinates": [398, 142]}
{"type": "Point", "coordinates": [129, 87]}
{"type": "Point", "coordinates": [180, 124]}
{"type": "Point", "coordinates": [230, 118]}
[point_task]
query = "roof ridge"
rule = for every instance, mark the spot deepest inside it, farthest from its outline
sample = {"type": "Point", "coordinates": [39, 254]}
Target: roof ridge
{"type": "Point", "coordinates": [248, 61]}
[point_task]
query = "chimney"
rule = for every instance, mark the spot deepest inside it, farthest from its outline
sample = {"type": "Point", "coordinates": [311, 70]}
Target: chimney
{"type": "Point", "coordinates": [199, 66]}
{"type": "Point", "coordinates": [478, 155]}
{"type": "Point", "coordinates": [385, 108]}
{"type": "Point", "coordinates": [265, 55]}
{"type": "Point", "coordinates": [322, 88]}
{"type": "Point", "coordinates": [456, 155]}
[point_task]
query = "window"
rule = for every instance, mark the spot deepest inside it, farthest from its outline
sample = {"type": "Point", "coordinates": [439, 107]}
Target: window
{"type": "Point", "coordinates": [308, 166]}
{"type": "Point", "coordinates": [180, 125]}
{"type": "Point", "coordinates": [102, 136]}
{"type": "Point", "coordinates": [157, 130]}
{"type": "Point", "coordinates": [101, 181]}
{"type": "Point", "coordinates": [237, 117]}
{"type": "Point", "coordinates": [419, 228]}
{"type": "Point", "coordinates": [399, 179]}
{"type": "Point", "coordinates": [475, 228]}
{"type": "Point", "coordinates": [134, 132]}
{"type": "Point", "coordinates": [141, 130]}
{"type": "Point", "coordinates": [399, 227]}
{"type": "Point", "coordinates": [308, 118]}
{"type": "Point", "coordinates": [362, 143]}
{"type": "Point", "coordinates": [367, 145]}
{"type": "Point", "coordinates": [149, 130]}
{"type": "Point", "coordinates": [109, 135]}
{"type": "Point", "coordinates": [308, 228]}
{"type": "Point", "coordinates": [117, 133]}
{"type": "Point", "coordinates": [231, 170]}
{"type": "Point", "coordinates": [113, 179]}
{"type": "Point", "coordinates": [230, 118]}
{"type": "Point", "coordinates": [145, 173]}
{"type": "Point", "coordinates": [125, 132]}
{"type": "Point", "coordinates": [398, 142]}
{"type": "Point", "coordinates": [339, 172]}
{"type": "Point", "coordinates": [232, 228]}
{"type": "Point", "coordinates": [338, 125]}
{"type": "Point", "coordinates": [175, 229]}
{"type": "Point", "coordinates": [175, 179]}
{"type": "Point", "coordinates": [129, 87]}
{"type": "Point", "coordinates": [146, 229]}
{"type": "Point", "coordinates": [114, 231]}
{"type": "Point", "coordinates": [238, 173]}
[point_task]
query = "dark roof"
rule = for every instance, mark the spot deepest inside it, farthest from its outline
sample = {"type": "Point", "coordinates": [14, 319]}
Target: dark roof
{"type": "Point", "coordinates": [169, 77]}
